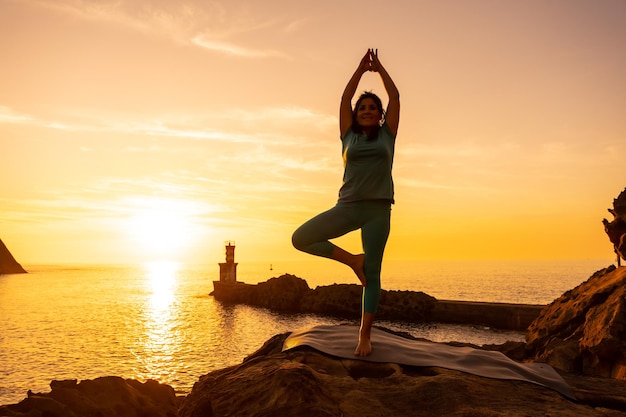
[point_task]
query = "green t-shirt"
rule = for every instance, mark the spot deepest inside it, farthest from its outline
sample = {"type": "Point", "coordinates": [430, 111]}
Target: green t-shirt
{"type": "Point", "coordinates": [367, 166]}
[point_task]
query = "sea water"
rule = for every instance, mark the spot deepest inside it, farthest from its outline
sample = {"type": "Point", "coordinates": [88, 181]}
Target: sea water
{"type": "Point", "coordinates": [158, 321]}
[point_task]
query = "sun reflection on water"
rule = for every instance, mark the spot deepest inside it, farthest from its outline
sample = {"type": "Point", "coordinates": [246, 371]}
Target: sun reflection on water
{"type": "Point", "coordinates": [162, 281]}
{"type": "Point", "coordinates": [159, 341]}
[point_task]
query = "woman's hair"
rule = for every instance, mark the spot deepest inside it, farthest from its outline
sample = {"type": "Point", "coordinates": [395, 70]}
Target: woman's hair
{"type": "Point", "coordinates": [355, 125]}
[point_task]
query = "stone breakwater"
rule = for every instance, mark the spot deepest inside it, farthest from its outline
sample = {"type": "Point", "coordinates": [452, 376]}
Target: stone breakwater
{"type": "Point", "coordinates": [581, 335]}
{"type": "Point", "coordinates": [504, 316]}
{"type": "Point", "coordinates": [291, 294]}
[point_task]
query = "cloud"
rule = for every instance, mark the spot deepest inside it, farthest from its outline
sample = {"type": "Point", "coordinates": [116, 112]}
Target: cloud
{"type": "Point", "coordinates": [146, 128]}
{"type": "Point", "coordinates": [280, 117]}
{"type": "Point", "coordinates": [269, 125]}
{"type": "Point", "coordinates": [231, 49]}
{"type": "Point", "coordinates": [295, 25]}
{"type": "Point", "coordinates": [113, 11]}
{"type": "Point", "coordinates": [140, 127]}
{"type": "Point", "coordinates": [8, 116]}
{"type": "Point", "coordinates": [208, 25]}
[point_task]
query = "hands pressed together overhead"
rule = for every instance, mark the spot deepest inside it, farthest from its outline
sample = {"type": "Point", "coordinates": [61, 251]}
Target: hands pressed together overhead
{"type": "Point", "coordinates": [370, 61]}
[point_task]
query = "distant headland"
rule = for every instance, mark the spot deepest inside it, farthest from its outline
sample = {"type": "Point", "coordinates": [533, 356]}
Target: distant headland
{"type": "Point", "coordinates": [8, 264]}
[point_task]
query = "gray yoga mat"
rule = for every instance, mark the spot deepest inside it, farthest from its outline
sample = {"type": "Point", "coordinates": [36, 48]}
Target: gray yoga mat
{"type": "Point", "coordinates": [341, 340]}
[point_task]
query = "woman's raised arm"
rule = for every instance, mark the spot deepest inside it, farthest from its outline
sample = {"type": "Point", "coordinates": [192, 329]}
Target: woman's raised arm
{"type": "Point", "coordinates": [392, 115]}
{"type": "Point", "coordinates": [345, 108]}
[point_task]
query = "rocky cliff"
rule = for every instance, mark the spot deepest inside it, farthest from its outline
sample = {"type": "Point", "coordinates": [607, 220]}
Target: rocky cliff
{"type": "Point", "coordinates": [8, 264]}
{"type": "Point", "coordinates": [584, 330]}
{"type": "Point", "coordinates": [616, 228]}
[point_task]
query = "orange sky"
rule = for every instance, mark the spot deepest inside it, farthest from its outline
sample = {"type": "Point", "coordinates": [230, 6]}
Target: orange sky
{"type": "Point", "coordinates": [136, 130]}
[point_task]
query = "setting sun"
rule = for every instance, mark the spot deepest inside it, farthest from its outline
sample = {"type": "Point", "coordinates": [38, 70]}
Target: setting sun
{"type": "Point", "coordinates": [163, 229]}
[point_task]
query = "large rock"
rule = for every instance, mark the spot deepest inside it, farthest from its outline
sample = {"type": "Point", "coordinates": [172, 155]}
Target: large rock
{"type": "Point", "coordinates": [8, 264]}
{"type": "Point", "coordinates": [616, 228]}
{"type": "Point", "coordinates": [102, 397]}
{"type": "Point", "coordinates": [305, 382]}
{"type": "Point", "coordinates": [585, 329]}
{"type": "Point", "coordinates": [282, 294]}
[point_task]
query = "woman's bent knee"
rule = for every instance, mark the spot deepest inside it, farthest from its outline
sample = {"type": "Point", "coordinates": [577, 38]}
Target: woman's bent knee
{"type": "Point", "coordinates": [298, 241]}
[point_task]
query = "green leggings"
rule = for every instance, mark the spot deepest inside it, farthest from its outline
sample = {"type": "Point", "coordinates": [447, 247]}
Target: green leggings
{"type": "Point", "coordinates": [372, 217]}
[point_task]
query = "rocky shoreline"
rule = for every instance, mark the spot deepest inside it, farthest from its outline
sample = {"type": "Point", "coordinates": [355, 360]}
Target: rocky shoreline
{"type": "Point", "coordinates": [582, 335]}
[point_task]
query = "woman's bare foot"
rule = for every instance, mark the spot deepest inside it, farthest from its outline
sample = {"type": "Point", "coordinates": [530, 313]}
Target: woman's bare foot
{"type": "Point", "coordinates": [357, 267]}
{"type": "Point", "coordinates": [364, 347]}
{"type": "Point", "coordinates": [356, 262]}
